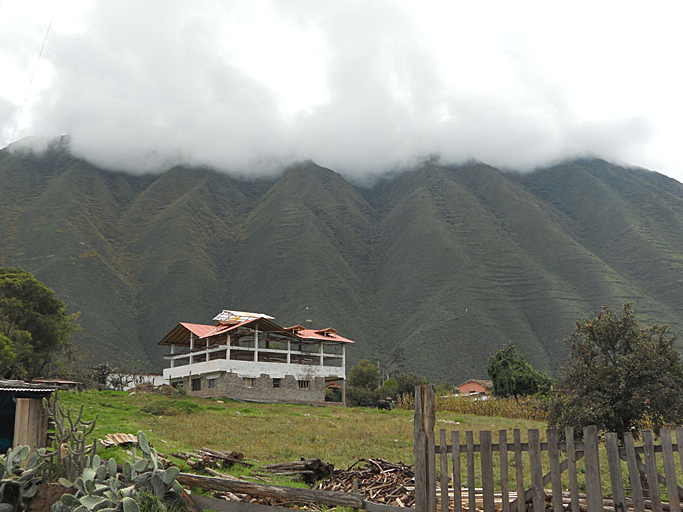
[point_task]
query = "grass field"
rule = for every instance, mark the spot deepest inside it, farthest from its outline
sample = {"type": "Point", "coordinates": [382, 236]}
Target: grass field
{"type": "Point", "coordinates": [268, 433]}
{"type": "Point", "coordinates": [273, 433]}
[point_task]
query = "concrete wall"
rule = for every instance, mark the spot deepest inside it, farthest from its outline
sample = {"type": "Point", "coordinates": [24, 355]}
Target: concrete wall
{"type": "Point", "coordinates": [231, 385]}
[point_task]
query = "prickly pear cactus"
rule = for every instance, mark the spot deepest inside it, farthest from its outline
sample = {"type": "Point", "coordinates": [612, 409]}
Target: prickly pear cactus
{"type": "Point", "coordinates": [20, 474]}
{"type": "Point", "coordinates": [101, 489]}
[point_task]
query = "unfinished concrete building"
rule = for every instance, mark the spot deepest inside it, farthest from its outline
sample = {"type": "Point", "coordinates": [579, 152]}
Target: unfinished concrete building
{"type": "Point", "coordinates": [248, 357]}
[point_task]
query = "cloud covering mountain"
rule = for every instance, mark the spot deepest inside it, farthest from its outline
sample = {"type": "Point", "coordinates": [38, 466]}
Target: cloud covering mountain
{"type": "Point", "coordinates": [361, 87]}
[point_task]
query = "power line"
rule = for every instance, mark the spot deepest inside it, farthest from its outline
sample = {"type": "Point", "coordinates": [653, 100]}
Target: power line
{"type": "Point", "coordinates": [28, 91]}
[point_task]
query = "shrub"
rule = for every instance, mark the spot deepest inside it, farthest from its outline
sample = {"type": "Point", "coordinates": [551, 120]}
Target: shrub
{"type": "Point", "coordinates": [619, 377]}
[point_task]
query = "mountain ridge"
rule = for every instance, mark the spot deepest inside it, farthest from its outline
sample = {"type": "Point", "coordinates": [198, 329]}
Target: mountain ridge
{"type": "Point", "coordinates": [431, 270]}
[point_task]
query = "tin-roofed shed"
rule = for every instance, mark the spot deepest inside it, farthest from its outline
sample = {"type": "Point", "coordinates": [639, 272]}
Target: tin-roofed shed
{"type": "Point", "coordinates": [23, 420]}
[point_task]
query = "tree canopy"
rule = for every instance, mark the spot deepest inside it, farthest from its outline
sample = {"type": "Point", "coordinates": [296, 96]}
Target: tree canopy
{"type": "Point", "coordinates": [618, 376]}
{"type": "Point", "coordinates": [512, 375]}
{"type": "Point", "coordinates": [364, 375]}
{"type": "Point", "coordinates": [34, 324]}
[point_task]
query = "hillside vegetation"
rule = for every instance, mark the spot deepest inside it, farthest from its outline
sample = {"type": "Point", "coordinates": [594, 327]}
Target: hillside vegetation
{"type": "Point", "coordinates": [431, 270]}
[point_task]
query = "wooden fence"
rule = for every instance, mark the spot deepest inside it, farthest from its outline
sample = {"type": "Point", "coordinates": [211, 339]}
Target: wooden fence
{"type": "Point", "coordinates": [475, 464]}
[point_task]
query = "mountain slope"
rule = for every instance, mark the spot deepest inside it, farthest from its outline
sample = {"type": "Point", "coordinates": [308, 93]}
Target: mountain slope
{"type": "Point", "coordinates": [430, 270]}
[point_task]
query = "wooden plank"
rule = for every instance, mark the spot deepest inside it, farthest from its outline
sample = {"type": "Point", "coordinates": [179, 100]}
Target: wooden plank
{"type": "Point", "coordinates": [469, 446]}
{"type": "Point", "coordinates": [519, 471]}
{"type": "Point", "coordinates": [420, 452]}
{"type": "Point", "coordinates": [528, 494]}
{"type": "Point", "coordinates": [643, 470]}
{"type": "Point", "coordinates": [457, 479]}
{"type": "Point", "coordinates": [272, 491]}
{"type": "Point", "coordinates": [670, 470]}
{"type": "Point", "coordinates": [592, 465]}
{"type": "Point", "coordinates": [29, 423]}
{"type": "Point", "coordinates": [633, 474]}
{"type": "Point", "coordinates": [431, 472]}
{"type": "Point", "coordinates": [429, 420]}
{"type": "Point", "coordinates": [209, 503]}
{"type": "Point", "coordinates": [504, 479]}
{"type": "Point", "coordinates": [537, 494]}
{"type": "Point", "coordinates": [443, 460]}
{"type": "Point", "coordinates": [487, 469]}
{"type": "Point", "coordinates": [571, 469]}
{"type": "Point", "coordinates": [555, 474]}
{"type": "Point", "coordinates": [651, 468]}
{"type": "Point", "coordinates": [614, 462]}
{"type": "Point", "coordinates": [679, 446]}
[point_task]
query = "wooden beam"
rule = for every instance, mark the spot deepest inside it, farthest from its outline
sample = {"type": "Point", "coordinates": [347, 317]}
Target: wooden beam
{"type": "Point", "coordinates": [289, 494]}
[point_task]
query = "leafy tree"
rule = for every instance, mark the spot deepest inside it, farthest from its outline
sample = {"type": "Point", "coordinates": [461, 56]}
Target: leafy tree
{"type": "Point", "coordinates": [407, 383]}
{"type": "Point", "coordinates": [388, 389]}
{"type": "Point", "coordinates": [364, 375]}
{"type": "Point", "coordinates": [362, 382]}
{"type": "Point", "coordinates": [512, 375]}
{"type": "Point", "coordinates": [33, 324]}
{"type": "Point", "coordinates": [619, 377]}
{"type": "Point", "coordinates": [100, 373]}
{"type": "Point", "coordinates": [7, 354]}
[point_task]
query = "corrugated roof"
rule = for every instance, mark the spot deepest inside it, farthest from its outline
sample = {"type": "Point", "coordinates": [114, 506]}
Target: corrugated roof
{"type": "Point", "coordinates": [20, 385]}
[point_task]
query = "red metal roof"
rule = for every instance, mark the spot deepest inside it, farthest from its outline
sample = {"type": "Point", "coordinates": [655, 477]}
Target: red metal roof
{"type": "Point", "coordinates": [199, 330]}
{"type": "Point", "coordinates": [221, 328]}
{"type": "Point", "coordinates": [328, 334]}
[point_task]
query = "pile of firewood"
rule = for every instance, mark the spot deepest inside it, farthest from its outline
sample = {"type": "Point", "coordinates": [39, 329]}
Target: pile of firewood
{"type": "Point", "coordinates": [206, 458]}
{"type": "Point", "coordinates": [307, 470]}
{"type": "Point", "coordinates": [378, 480]}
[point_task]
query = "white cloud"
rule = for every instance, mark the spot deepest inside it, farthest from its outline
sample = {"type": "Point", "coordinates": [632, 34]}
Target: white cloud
{"type": "Point", "coordinates": [357, 86]}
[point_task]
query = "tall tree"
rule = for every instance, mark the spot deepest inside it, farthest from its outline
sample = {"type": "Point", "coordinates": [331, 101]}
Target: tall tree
{"type": "Point", "coordinates": [34, 324]}
{"type": "Point", "coordinates": [618, 376]}
{"type": "Point", "coordinates": [512, 375]}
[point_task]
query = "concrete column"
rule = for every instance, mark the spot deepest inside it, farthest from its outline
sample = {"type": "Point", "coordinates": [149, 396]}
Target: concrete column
{"type": "Point", "coordinates": [289, 352]}
{"type": "Point", "coordinates": [343, 359]}
{"type": "Point", "coordinates": [256, 343]}
{"type": "Point", "coordinates": [320, 349]}
{"type": "Point", "coordinates": [172, 360]}
{"type": "Point", "coordinates": [191, 346]}
{"type": "Point", "coordinates": [227, 352]}
{"type": "Point", "coordinates": [207, 349]}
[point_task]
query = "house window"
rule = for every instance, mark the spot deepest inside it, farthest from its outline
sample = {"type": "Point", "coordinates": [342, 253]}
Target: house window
{"type": "Point", "coordinates": [304, 384]}
{"type": "Point", "coordinates": [248, 382]}
{"type": "Point", "coordinates": [211, 383]}
{"type": "Point", "coordinates": [177, 384]}
{"type": "Point", "coordinates": [197, 384]}
{"type": "Point", "coordinates": [276, 383]}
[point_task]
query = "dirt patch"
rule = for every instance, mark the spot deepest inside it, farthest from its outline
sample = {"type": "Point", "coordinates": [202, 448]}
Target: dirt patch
{"type": "Point", "coordinates": [46, 496]}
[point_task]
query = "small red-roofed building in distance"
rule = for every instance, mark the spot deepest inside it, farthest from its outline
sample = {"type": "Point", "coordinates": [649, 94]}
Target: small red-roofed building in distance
{"type": "Point", "coordinates": [247, 356]}
{"type": "Point", "coordinates": [476, 387]}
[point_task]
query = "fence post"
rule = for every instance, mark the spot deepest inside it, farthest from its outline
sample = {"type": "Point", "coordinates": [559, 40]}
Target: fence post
{"type": "Point", "coordinates": [594, 501]}
{"type": "Point", "coordinates": [423, 424]}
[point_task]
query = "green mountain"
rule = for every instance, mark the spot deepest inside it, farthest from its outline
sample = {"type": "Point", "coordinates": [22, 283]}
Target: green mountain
{"type": "Point", "coordinates": [430, 270]}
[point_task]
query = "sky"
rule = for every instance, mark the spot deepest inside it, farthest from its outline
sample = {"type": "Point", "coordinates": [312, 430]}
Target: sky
{"type": "Point", "coordinates": [362, 87]}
